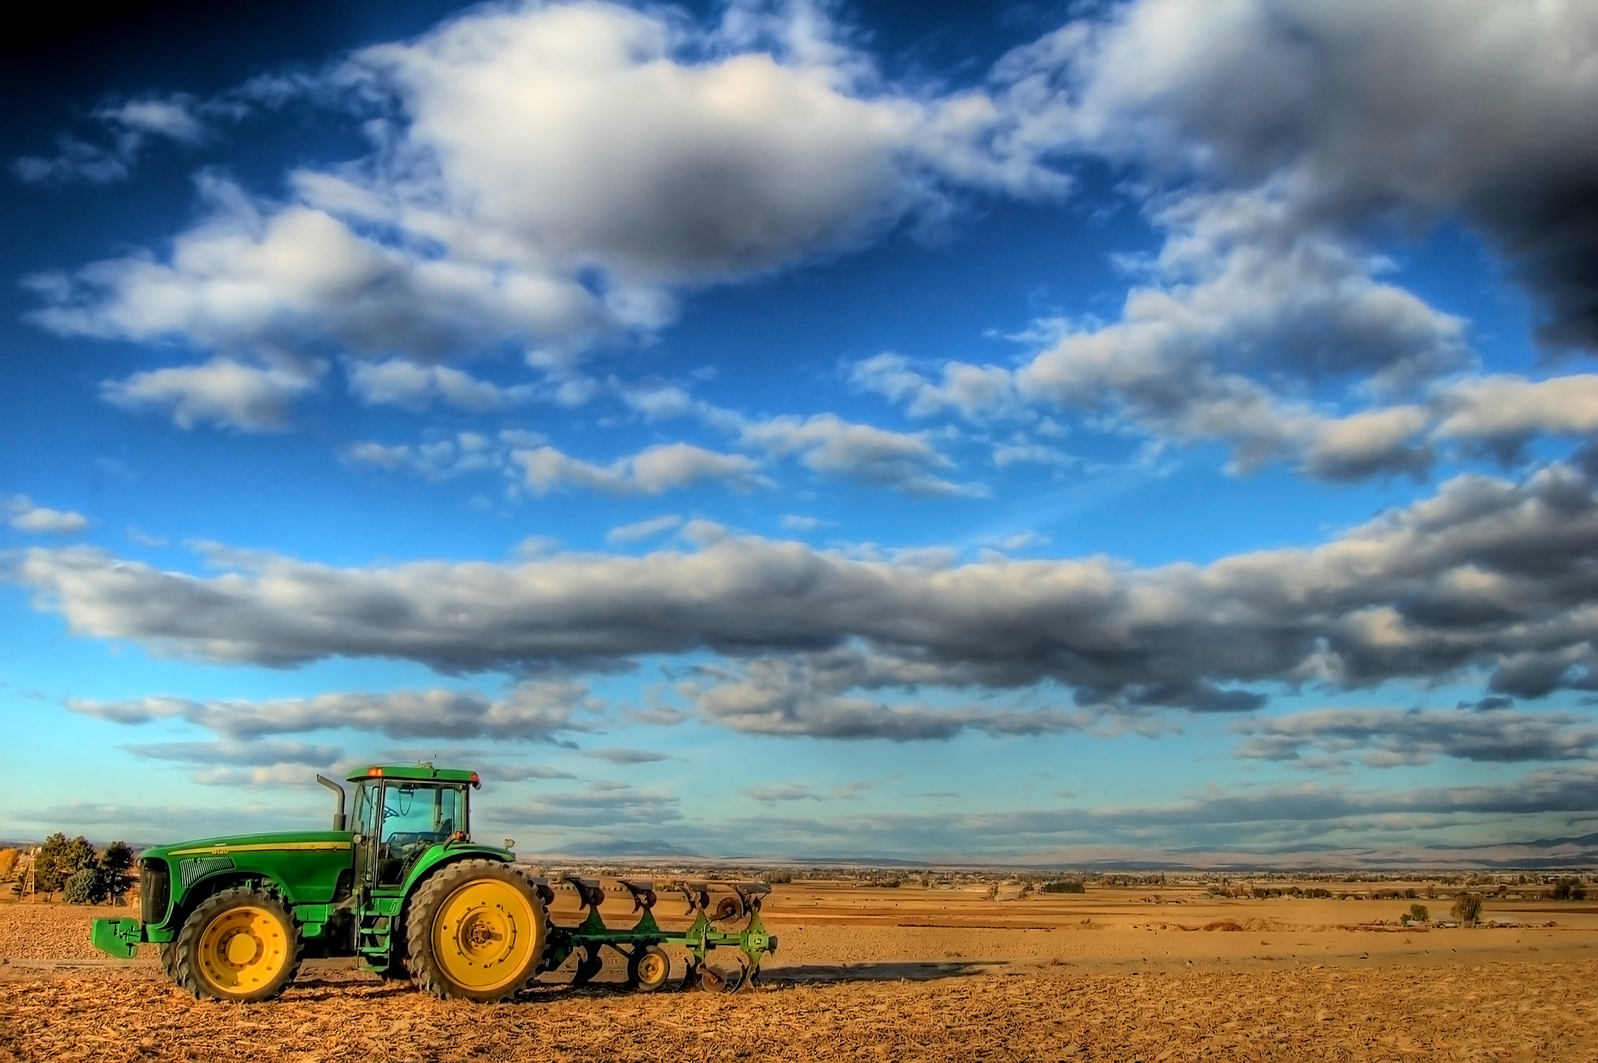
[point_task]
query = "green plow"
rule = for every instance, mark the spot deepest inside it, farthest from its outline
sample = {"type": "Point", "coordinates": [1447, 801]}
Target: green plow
{"type": "Point", "coordinates": [648, 965]}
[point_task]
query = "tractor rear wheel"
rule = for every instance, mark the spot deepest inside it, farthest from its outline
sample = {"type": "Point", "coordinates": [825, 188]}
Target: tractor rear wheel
{"type": "Point", "coordinates": [239, 945]}
{"type": "Point", "coordinates": [475, 931]}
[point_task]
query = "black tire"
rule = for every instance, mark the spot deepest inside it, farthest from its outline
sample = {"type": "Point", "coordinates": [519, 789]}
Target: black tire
{"type": "Point", "coordinates": [193, 959]}
{"type": "Point", "coordinates": [648, 968]}
{"type": "Point", "coordinates": [506, 969]}
{"type": "Point", "coordinates": [169, 959]}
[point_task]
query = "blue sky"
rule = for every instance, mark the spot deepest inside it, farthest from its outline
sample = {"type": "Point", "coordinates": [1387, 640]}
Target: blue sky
{"type": "Point", "coordinates": [1082, 432]}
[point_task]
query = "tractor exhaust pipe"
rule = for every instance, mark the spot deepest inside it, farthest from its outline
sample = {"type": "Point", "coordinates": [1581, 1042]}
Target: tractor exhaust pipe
{"type": "Point", "coordinates": [338, 816]}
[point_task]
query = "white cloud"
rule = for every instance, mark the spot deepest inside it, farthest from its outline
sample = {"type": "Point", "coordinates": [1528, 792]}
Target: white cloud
{"type": "Point", "coordinates": [416, 387]}
{"type": "Point", "coordinates": [532, 711]}
{"type": "Point", "coordinates": [1271, 139]}
{"type": "Point", "coordinates": [221, 392]}
{"type": "Point", "coordinates": [644, 529]}
{"type": "Point", "coordinates": [130, 126]}
{"type": "Point", "coordinates": [1485, 578]}
{"type": "Point", "coordinates": [1477, 106]}
{"type": "Point", "coordinates": [825, 443]}
{"type": "Point", "coordinates": [652, 471]}
{"type": "Point", "coordinates": [648, 156]}
{"type": "Point", "coordinates": [440, 459]}
{"type": "Point", "coordinates": [23, 515]}
{"type": "Point", "coordinates": [1392, 737]}
{"type": "Point", "coordinates": [1504, 411]}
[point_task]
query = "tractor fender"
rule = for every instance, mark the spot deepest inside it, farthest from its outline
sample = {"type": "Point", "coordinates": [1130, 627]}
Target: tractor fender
{"type": "Point", "coordinates": [448, 853]}
{"type": "Point", "coordinates": [210, 885]}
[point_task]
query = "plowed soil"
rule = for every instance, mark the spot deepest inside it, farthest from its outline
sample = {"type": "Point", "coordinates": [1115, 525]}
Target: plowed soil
{"type": "Point", "coordinates": [908, 974]}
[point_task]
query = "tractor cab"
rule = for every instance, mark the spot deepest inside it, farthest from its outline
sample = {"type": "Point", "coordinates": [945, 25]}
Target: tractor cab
{"type": "Point", "coordinates": [400, 813]}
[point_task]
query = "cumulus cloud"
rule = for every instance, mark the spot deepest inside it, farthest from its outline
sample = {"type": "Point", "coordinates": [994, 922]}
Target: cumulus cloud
{"type": "Point", "coordinates": [1389, 737]}
{"type": "Point", "coordinates": [439, 459]}
{"type": "Point", "coordinates": [651, 155]}
{"type": "Point", "coordinates": [416, 387]}
{"type": "Point", "coordinates": [793, 697]}
{"type": "Point", "coordinates": [1357, 112]}
{"type": "Point", "coordinates": [827, 444]}
{"type": "Point", "coordinates": [23, 515]}
{"type": "Point", "coordinates": [221, 392]}
{"type": "Point", "coordinates": [1502, 412]}
{"type": "Point", "coordinates": [1274, 142]}
{"type": "Point", "coordinates": [1485, 574]}
{"type": "Point", "coordinates": [532, 711]}
{"type": "Point", "coordinates": [652, 471]}
{"type": "Point", "coordinates": [1239, 291]}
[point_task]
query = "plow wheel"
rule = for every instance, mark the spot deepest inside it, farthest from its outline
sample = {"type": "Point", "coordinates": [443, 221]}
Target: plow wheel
{"type": "Point", "coordinates": [648, 968]}
{"type": "Point", "coordinates": [239, 945]}
{"type": "Point", "coordinates": [588, 965]}
{"type": "Point", "coordinates": [728, 908]}
{"type": "Point", "coordinates": [475, 930]}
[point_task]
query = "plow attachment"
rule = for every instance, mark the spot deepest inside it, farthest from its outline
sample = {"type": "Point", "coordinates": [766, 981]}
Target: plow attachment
{"type": "Point", "coordinates": [648, 965]}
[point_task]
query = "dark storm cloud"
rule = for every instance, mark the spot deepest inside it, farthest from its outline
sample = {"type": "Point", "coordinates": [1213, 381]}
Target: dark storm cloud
{"type": "Point", "coordinates": [1486, 573]}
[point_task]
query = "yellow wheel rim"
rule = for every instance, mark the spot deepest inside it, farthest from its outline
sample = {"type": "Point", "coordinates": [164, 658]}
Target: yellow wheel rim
{"type": "Point", "coordinates": [243, 949]}
{"type": "Point", "coordinates": [652, 968]}
{"type": "Point", "coordinates": [484, 935]}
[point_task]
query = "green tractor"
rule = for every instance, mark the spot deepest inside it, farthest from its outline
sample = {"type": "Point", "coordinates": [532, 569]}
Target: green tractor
{"type": "Point", "coordinates": [401, 886]}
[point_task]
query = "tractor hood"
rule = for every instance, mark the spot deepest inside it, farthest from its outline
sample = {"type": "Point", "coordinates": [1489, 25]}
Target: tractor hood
{"type": "Point", "coordinates": [279, 841]}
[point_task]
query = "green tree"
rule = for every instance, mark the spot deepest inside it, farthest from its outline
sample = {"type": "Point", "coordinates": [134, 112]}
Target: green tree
{"type": "Point", "coordinates": [80, 854]}
{"type": "Point", "coordinates": [49, 868]}
{"type": "Point", "coordinates": [115, 863]}
{"type": "Point", "coordinates": [86, 886]}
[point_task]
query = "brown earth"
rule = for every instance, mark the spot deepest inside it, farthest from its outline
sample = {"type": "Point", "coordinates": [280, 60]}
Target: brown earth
{"type": "Point", "coordinates": [900, 974]}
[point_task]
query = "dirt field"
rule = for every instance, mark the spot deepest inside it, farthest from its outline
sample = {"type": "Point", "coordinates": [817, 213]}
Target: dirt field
{"type": "Point", "coordinates": [903, 974]}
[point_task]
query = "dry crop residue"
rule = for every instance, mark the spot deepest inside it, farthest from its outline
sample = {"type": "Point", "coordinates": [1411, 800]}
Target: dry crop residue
{"type": "Point", "coordinates": [1501, 1011]}
{"type": "Point", "coordinates": [51, 931]}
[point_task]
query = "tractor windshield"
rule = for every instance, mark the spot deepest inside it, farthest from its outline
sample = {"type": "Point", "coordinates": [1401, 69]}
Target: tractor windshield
{"type": "Point", "coordinates": [415, 816]}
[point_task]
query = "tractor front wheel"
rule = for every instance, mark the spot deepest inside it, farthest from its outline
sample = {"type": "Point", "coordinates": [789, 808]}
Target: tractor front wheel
{"type": "Point", "coordinates": [475, 931]}
{"type": "Point", "coordinates": [239, 945]}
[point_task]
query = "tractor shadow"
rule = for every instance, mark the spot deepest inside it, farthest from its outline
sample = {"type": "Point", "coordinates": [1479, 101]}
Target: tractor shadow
{"type": "Point", "coordinates": [879, 972]}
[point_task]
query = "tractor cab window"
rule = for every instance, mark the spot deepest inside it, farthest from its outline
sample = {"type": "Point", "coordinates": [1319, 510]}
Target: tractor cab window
{"type": "Point", "coordinates": [415, 816]}
{"type": "Point", "coordinates": [364, 821]}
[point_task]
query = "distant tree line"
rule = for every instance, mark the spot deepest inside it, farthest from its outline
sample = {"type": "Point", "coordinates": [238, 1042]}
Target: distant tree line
{"type": "Point", "coordinates": [81, 873]}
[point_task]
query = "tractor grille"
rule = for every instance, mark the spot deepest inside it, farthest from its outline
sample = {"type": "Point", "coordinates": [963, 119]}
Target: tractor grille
{"type": "Point", "coordinates": [155, 890]}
